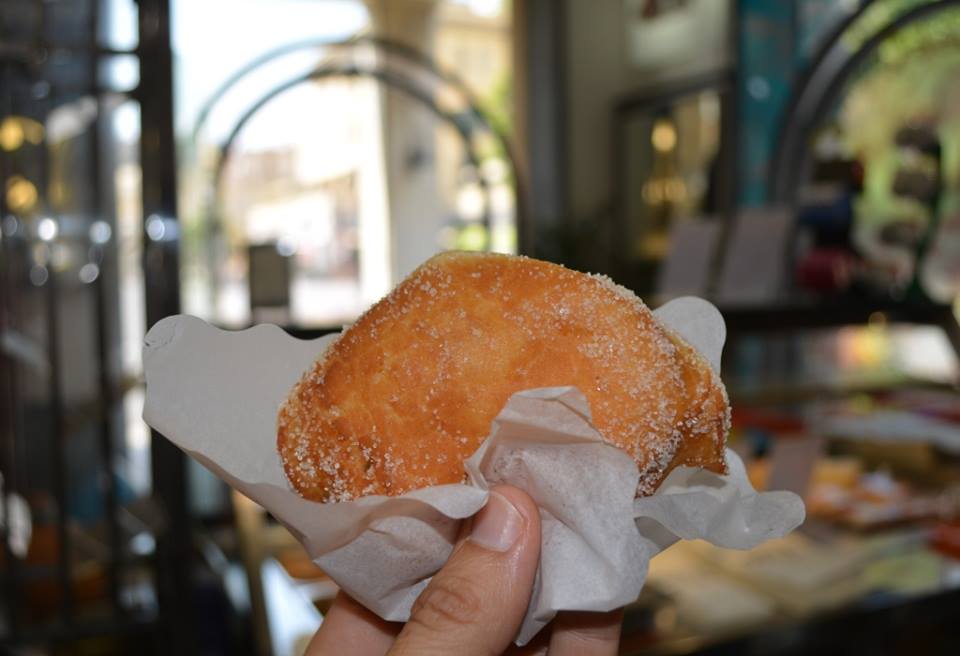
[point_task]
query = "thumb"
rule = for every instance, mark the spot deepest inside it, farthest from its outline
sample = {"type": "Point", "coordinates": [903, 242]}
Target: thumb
{"type": "Point", "coordinates": [475, 603]}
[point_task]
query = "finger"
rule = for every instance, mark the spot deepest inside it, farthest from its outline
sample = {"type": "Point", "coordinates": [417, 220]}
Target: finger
{"type": "Point", "coordinates": [587, 634]}
{"type": "Point", "coordinates": [536, 647]}
{"type": "Point", "coordinates": [350, 629]}
{"type": "Point", "coordinates": [475, 603]}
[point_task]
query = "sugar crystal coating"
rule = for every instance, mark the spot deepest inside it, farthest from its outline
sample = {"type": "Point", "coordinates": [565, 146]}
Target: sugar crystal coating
{"type": "Point", "coordinates": [409, 391]}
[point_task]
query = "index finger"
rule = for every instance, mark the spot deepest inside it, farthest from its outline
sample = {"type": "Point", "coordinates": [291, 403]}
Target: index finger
{"type": "Point", "coordinates": [350, 629]}
{"type": "Point", "coordinates": [583, 633]}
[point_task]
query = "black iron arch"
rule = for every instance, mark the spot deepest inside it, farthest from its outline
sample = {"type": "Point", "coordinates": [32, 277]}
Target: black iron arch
{"type": "Point", "coordinates": [411, 55]}
{"type": "Point", "coordinates": [395, 81]}
{"type": "Point", "coordinates": [466, 123]}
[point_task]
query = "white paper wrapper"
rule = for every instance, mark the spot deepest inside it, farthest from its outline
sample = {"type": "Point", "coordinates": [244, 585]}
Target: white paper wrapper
{"type": "Point", "coordinates": [216, 394]}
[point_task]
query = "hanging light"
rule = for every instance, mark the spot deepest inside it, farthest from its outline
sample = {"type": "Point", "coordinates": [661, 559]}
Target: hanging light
{"type": "Point", "coordinates": [11, 134]}
{"type": "Point", "coordinates": [15, 130]}
{"type": "Point", "coordinates": [47, 229]}
{"type": "Point", "coordinates": [100, 232]}
{"type": "Point", "coordinates": [88, 272]}
{"type": "Point", "coordinates": [39, 275]}
{"type": "Point", "coordinates": [21, 194]}
{"type": "Point", "coordinates": [663, 136]}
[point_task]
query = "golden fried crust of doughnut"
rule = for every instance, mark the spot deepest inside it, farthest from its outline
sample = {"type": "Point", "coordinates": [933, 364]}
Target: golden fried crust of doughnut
{"type": "Point", "coordinates": [409, 391]}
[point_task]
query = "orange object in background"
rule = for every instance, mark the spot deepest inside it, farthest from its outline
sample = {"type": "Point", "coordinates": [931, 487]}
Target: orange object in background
{"type": "Point", "coordinates": [841, 472]}
{"type": "Point", "coordinates": [945, 538]}
{"type": "Point", "coordinates": [298, 565]}
{"type": "Point", "coordinates": [44, 594]}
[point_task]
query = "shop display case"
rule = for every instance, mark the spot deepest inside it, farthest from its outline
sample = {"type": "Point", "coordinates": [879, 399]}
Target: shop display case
{"type": "Point", "coordinates": [856, 410]}
{"type": "Point", "coordinates": [805, 178]}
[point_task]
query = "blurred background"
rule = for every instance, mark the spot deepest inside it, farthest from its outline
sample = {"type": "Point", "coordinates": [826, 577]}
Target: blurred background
{"type": "Point", "coordinates": [796, 162]}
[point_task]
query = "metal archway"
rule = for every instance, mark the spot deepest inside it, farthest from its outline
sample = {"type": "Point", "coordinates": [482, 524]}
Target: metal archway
{"type": "Point", "coordinates": [225, 149]}
{"type": "Point", "coordinates": [411, 55]}
{"type": "Point", "coordinates": [473, 119]}
{"type": "Point", "coordinates": [830, 70]}
{"type": "Point", "coordinates": [395, 65]}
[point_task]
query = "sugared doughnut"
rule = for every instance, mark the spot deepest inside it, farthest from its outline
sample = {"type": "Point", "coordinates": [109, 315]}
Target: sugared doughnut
{"type": "Point", "coordinates": [409, 391]}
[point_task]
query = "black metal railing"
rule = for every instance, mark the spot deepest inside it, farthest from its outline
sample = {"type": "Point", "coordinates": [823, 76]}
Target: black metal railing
{"type": "Point", "coordinates": [47, 318]}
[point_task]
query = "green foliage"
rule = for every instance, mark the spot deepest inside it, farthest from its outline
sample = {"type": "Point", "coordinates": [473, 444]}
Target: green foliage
{"type": "Point", "coordinates": [914, 77]}
{"type": "Point", "coordinates": [938, 31]}
{"type": "Point", "coordinates": [497, 106]}
{"type": "Point", "coordinates": [879, 14]}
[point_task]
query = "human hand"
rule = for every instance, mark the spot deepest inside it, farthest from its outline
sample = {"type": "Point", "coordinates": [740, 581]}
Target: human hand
{"type": "Point", "coordinates": [474, 605]}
